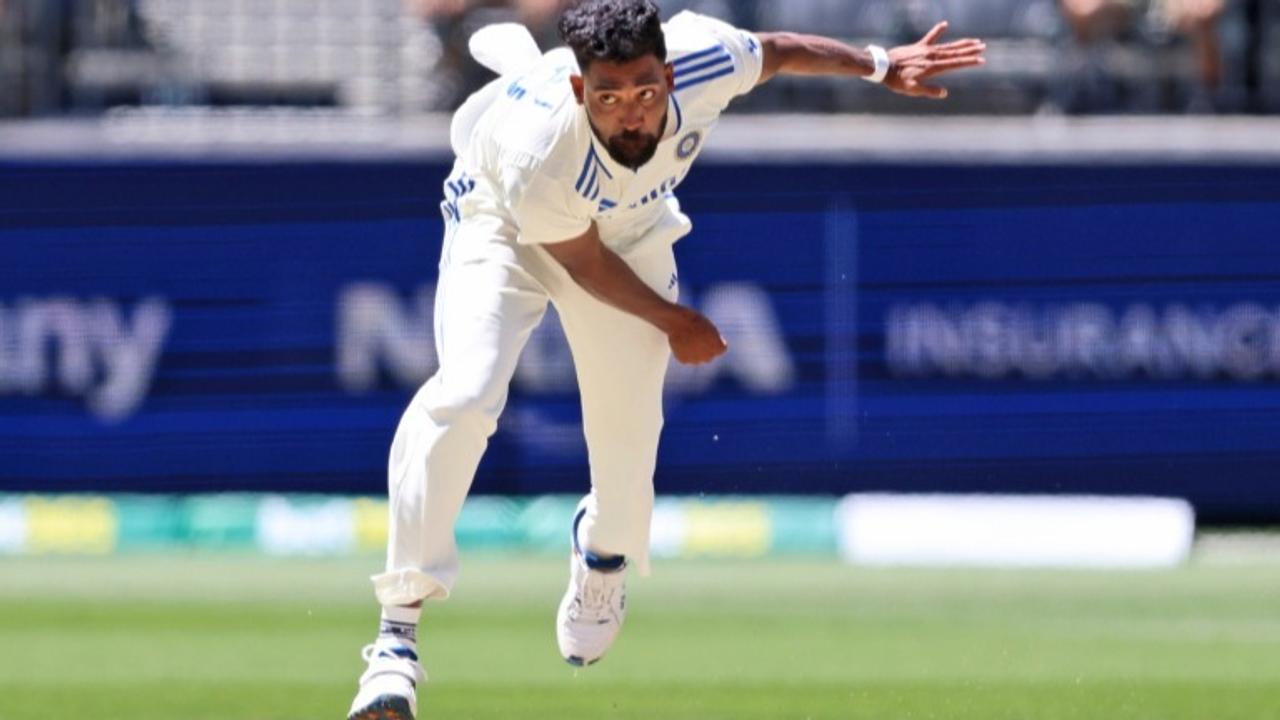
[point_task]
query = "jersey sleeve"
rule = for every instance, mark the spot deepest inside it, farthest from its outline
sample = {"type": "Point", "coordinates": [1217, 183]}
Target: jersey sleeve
{"type": "Point", "coordinates": [545, 209]}
{"type": "Point", "coordinates": [713, 57]}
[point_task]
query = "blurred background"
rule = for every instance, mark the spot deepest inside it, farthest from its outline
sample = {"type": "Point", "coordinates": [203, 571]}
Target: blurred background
{"type": "Point", "coordinates": [407, 57]}
{"type": "Point", "coordinates": [1034, 326]}
{"type": "Point", "coordinates": [221, 224]}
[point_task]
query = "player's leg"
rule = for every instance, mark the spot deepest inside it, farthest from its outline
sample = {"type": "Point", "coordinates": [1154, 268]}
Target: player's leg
{"type": "Point", "coordinates": [486, 311]}
{"type": "Point", "coordinates": [486, 308]}
{"type": "Point", "coordinates": [621, 363]}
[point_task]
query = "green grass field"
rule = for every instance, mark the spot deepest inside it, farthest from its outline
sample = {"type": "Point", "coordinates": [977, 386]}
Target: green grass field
{"type": "Point", "coordinates": [255, 639]}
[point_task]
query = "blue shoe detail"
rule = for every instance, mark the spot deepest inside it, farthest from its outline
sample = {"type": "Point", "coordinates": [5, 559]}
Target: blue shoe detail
{"type": "Point", "coordinates": [594, 561]}
{"type": "Point", "coordinates": [404, 652]}
{"type": "Point", "coordinates": [576, 661]}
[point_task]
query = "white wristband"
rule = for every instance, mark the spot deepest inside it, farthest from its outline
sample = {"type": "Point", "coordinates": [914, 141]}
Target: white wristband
{"type": "Point", "coordinates": [881, 56]}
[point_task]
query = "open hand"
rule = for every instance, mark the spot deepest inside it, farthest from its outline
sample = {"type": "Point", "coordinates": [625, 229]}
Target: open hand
{"type": "Point", "coordinates": [914, 65]}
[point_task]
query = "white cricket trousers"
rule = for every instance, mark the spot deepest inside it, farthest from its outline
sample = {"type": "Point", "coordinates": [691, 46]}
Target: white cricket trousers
{"type": "Point", "coordinates": [492, 294]}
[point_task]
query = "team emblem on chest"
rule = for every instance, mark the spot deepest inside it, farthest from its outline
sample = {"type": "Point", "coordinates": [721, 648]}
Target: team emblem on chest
{"type": "Point", "coordinates": [689, 145]}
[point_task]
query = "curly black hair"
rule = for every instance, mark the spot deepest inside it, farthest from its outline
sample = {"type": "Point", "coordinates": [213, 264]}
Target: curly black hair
{"type": "Point", "coordinates": [613, 30]}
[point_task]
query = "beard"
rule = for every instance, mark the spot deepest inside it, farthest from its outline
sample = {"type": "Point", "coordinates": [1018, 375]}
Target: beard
{"type": "Point", "coordinates": [633, 149]}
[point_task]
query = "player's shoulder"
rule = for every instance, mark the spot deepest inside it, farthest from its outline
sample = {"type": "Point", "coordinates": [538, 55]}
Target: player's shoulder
{"type": "Point", "coordinates": [688, 33]}
{"type": "Point", "coordinates": [534, 122]}
{"type": "Point", "coordinates": [712, 59]}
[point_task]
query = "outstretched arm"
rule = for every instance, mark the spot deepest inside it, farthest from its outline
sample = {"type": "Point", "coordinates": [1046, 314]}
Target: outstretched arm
{"type": "Point", "coordinates": [910, 70]}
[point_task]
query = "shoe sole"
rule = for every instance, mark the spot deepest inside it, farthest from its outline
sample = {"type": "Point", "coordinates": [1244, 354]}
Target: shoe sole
{"type": "Point", "coordinates": [384, 708]}
{"type": "Point", "coordinates": [576, 661]}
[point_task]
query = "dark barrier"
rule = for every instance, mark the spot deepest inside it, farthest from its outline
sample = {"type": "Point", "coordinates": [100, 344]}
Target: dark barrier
{"type": "Point", "coordinates": [177, 327]}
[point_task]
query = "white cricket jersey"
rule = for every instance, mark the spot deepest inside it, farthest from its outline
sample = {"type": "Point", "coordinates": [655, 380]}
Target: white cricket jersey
{"type": "Point", "coordinates": [528, 154]}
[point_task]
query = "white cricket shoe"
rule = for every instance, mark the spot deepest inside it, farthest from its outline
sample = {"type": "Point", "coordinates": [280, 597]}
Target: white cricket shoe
{"type": "Point", "coordinates": [592, 611]}
{"type": "Point", "coordinates": [388, 688]}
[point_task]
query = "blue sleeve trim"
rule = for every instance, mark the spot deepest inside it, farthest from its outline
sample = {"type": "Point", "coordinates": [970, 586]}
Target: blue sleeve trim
{"type": "Point", "coordinates": [698, 55]}
{"type": "Point", "coordinates": [714, 62]}
{"type": "Point", "coordinates": [691, 82]}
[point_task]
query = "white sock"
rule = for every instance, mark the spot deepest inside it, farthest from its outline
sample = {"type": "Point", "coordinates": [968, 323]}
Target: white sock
{"type": "Point", "coordinates": [599, 561]}
{"type": "Point", "coordinates": [399, 626]}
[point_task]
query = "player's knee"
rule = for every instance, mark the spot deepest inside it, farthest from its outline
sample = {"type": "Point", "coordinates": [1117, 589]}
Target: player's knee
{"type": "Point", "coordinates": [478, 404]}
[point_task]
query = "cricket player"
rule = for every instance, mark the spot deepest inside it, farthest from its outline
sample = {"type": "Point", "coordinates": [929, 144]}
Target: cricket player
{"type": "Point", "coordinates": [563, 192]}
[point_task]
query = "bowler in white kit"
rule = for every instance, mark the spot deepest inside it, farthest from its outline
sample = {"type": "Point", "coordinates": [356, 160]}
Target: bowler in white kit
{"type": "Point", "coordinates": [564, 192]}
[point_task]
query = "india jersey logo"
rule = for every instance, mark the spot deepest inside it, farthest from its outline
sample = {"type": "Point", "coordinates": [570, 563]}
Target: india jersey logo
{"type": "Point", "coordinates": [689, 145]}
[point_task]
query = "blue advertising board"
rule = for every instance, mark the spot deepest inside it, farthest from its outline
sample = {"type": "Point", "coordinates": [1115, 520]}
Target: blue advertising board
{"type": "Point", "coordinates": [175, 327]}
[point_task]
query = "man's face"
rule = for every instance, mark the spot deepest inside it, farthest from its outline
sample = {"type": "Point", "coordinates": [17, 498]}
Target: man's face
{"type": "Point", "coordinates": [627, 106]}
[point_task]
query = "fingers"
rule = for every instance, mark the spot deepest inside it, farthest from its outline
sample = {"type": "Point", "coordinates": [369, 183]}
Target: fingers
{"type": "Point", "coordinates": [960, 63]}
{"type": "Point", "coordinates": [962, 46]}
{"type": "Point", "coordinates": [933, 92]}
{"type": "Point", "coordinates": [701, 355]}
{"type": "Point", "coordinates": [927, 59]}
{"type": "Point", "coordinates": [935, 33]}
{"type": "Point", "coordinates": [698, 343]}
{"type": "Point", "coordinates": [953, 54]}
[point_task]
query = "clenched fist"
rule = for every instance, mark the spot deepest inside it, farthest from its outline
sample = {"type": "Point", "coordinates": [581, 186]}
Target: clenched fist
{"type": "Point", "coordinates": [695, 339]}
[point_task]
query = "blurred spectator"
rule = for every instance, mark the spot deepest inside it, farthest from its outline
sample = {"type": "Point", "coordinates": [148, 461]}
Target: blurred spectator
{"type": "Point", "coordinates": [458, 75]}
{"type": "Point", "coordinates": [40, 40]}
{"type": "Point", "coordinates": [1095, 21]}
{"type": "Point", "coordinates": [35, 47]}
